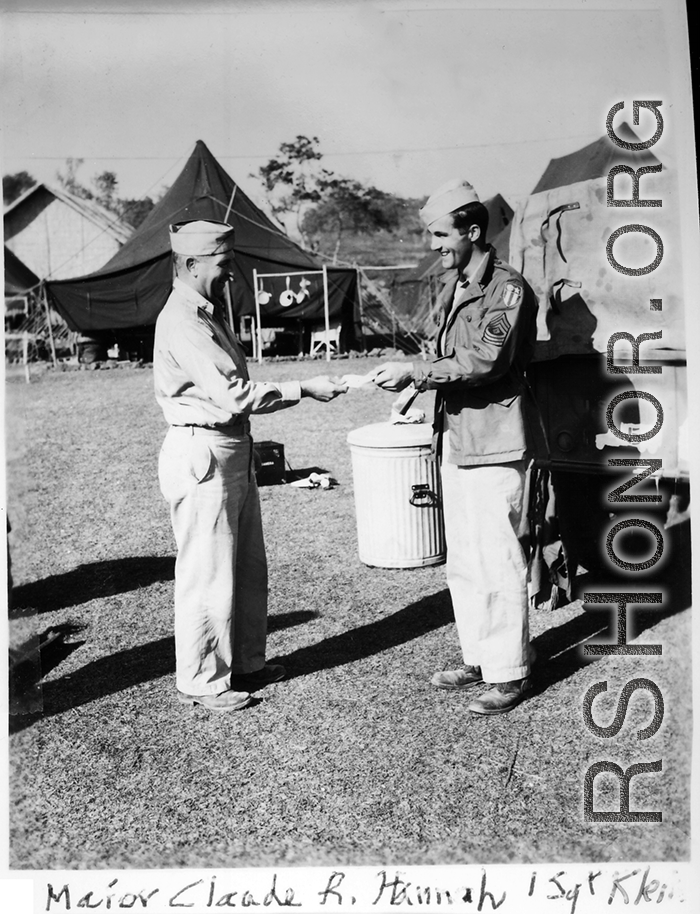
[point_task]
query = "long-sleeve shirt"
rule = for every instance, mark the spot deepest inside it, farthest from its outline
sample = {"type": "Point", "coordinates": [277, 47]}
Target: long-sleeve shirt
{"type": "Point", "coordinates": [199, 368]}
{"type": "Point", "coordinates": [485, 341]}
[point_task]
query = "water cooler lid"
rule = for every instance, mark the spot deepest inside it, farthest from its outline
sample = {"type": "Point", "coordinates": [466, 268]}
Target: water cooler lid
{"type": "Point", "coordinates": [388, 434]}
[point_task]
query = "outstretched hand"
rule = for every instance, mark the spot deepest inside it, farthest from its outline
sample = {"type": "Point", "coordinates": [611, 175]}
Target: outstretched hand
{"type": "Point", "coordinates": [323, 388]}
{"type": "Point", "coordinates": [393, 375]}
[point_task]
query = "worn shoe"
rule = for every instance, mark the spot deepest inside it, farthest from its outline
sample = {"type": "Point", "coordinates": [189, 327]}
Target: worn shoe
{"type": "Point", "coordinates": [465, 678]}
{"type": "Point", "coordinates": [224, 701]}
{"type": "Point", "coordinates": [271, 672]}
{"type": "Point", "coordinates": [503, 697]}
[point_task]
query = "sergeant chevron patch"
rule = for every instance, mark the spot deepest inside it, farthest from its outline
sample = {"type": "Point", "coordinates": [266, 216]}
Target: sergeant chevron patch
{"type": "Point", "coordinates": [497, 330]}
{"type": "Point", "coordinates": [512, 293]}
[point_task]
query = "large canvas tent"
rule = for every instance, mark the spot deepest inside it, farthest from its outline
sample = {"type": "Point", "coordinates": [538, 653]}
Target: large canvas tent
{"type": "Point", "coordinates": [130, 290]}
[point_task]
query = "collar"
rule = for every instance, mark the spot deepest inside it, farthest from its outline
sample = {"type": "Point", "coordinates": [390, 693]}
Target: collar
{"type": "Point", "coordinates": [192, 296]}
{"type": "Point", "coordinates": [455, 294]}
{"type": "Point", "coordinates": [478, 274]}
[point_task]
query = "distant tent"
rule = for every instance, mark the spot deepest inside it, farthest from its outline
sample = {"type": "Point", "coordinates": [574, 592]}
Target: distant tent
{"type": "Point", "coordinates": [130, 290]}
{"type": "Point", "coordinates": [19, 279]}
{"type": "Point", "coordinates": [594, 161]}
{"type": "Point", "coordinates": [58, 234]}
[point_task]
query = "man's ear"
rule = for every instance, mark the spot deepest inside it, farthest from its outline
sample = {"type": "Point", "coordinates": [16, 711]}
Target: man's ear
{"type": "Point", "coordinates": [192, 265]}
{"type": "Point", "coordinates": [474, 234]}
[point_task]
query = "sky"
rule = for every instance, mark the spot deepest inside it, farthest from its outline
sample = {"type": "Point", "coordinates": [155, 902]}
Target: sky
{"type": "Point", "coordinates": [402, 95]}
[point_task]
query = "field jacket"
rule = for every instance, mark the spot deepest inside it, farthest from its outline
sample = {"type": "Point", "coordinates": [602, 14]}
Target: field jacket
{"type": "Point", "coordinates": [485, 340]}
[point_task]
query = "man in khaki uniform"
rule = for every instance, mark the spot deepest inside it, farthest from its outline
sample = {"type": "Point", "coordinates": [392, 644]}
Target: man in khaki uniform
{"type": "Point", "coordinates": [485, 340]}
{"type": "Point", "coordinates": [206, 475]}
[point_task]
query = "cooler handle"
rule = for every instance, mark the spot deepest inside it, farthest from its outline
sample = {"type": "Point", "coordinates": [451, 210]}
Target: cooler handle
{"type": "Point", "coordinates": [422, 496]}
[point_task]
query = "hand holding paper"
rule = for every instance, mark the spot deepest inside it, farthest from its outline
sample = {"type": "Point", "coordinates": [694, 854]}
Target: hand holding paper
{"type": "Point", "coordinates": [322, 388]}
{"type": "Point", "coordinates": [356, 380]}
{"type": "Point", "coordinates": [393, 375]}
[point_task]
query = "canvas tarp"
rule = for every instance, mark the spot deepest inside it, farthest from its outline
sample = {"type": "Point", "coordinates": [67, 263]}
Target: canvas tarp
{"type": "Point", "coordinates": [130, 290]}
{"type": "Point", "coordinates": [585, 164]}
{"type": "Point", "coordinates": [559, 241]}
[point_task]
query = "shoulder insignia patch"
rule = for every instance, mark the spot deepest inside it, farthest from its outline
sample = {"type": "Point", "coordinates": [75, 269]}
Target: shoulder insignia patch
{"type": "Point", "coordinates": [497, 330]}
{"type": "Point", "coordinates": [512, 293]}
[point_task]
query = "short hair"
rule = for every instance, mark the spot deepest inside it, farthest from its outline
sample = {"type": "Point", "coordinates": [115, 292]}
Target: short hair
{"type": "Point", "coordinates": [471, 214]}
{"type": "Point", "coordinates": [179, 261]}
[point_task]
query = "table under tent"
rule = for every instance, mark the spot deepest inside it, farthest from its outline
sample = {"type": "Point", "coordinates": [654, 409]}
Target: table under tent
{"type": "Point", "coordinates": [33, 332]}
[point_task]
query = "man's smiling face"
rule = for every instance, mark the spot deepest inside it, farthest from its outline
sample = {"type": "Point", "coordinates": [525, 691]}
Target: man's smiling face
{"type": "Point", "coordinates": [454, 247]}
{"type": "Point", "coordinates": [213, 272]}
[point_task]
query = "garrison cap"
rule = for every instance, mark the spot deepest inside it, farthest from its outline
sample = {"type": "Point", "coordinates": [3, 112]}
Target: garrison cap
{"type": "Point", "coordinates": [198, 237]}
{"type": "Point", "coordinates": [446, 199]}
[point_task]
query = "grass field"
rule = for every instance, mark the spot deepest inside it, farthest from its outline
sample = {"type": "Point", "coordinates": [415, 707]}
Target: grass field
{"type": "Point", "coordinates": [354, 759]}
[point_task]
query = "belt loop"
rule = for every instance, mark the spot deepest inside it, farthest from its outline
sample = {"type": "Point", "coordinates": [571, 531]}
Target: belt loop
{"type": "Point", "coordinates": [191, 431]}
{"type": "Point", "coordinates": [250, 458]}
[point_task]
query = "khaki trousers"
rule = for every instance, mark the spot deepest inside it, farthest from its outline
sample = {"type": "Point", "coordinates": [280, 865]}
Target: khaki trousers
{"type": "Point", "coordinates": [221, 569]}
{"type": "Point", "coordinates": [486, 566]}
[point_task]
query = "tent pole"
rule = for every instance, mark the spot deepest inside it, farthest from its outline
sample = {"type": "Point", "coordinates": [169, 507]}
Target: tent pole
{"type": "Point", "coordinates": [48, 324]}
{"type": "Point", "coordinates": [326, 314]}
{"type": "Point", "coordinates": [258, 319]}
{"type": "Point", "coordinates": [230, 204]}
{"type": "Point", "coordinates": [359, 298]}
{"type": "Point", "coordinates": [229, 306]}
{"type": "Point", "coordinates": [25, 355]}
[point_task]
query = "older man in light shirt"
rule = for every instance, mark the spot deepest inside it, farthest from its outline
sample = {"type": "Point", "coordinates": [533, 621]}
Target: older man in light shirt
{"type": "Point", "coordinates": [206, 475]}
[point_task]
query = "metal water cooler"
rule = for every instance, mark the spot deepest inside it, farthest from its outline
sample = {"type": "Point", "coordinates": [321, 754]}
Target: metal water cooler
{"type": "Point", "coordinates": [398, 499]}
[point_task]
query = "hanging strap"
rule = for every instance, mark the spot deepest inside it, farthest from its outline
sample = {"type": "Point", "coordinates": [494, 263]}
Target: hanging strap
{"type": "Point", "coordinates": [557, 212]}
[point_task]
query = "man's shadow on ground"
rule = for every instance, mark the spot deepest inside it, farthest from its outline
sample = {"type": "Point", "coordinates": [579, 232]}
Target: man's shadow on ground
{"type": "Point", "coordinates": [31, 699]}
{"type": "Point", "coordinates": [558, 649]}
{"type": "Point", "coordinates": [91, 581]}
